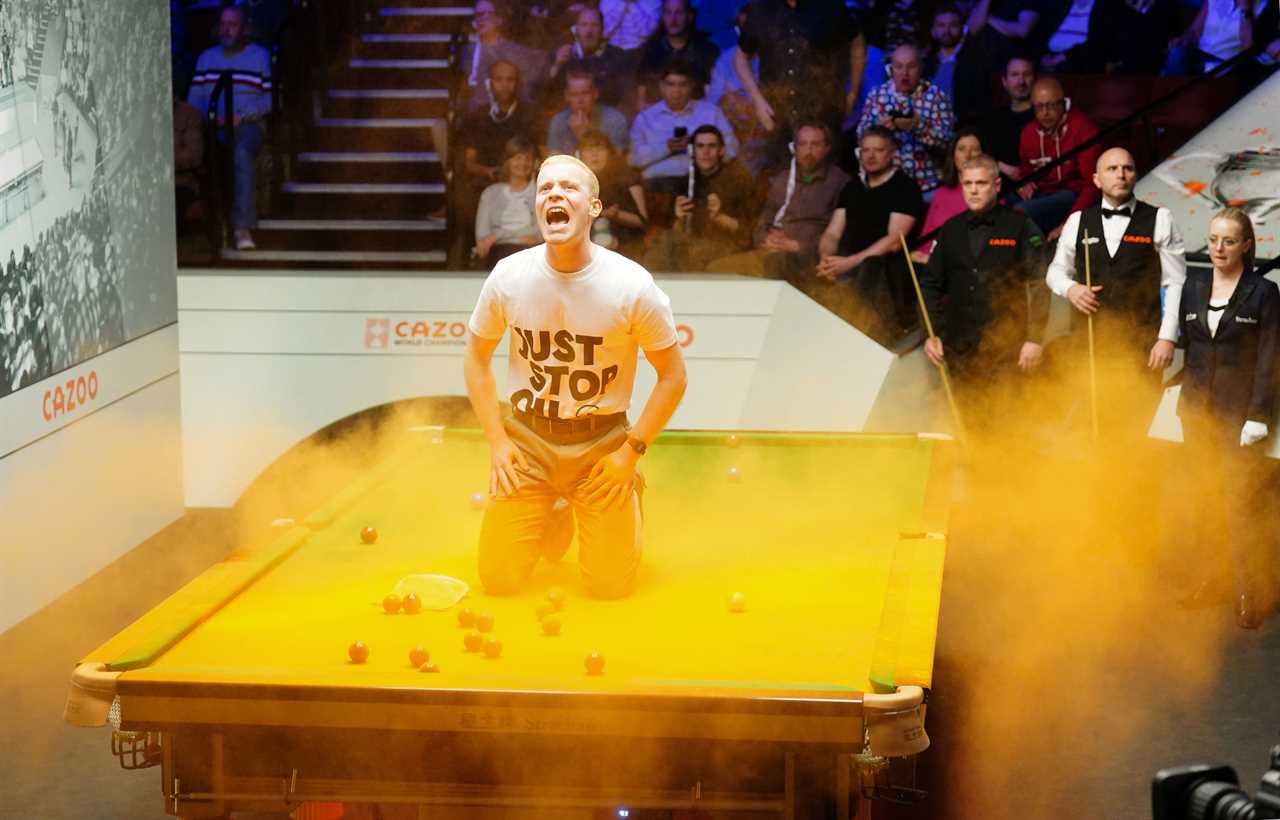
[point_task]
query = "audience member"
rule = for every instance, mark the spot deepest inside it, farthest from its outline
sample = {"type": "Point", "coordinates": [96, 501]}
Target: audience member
{"type": "Point", "coordinates": [1002, 127]}
{"type": "Point", "coordinates": [957, 67]}
{"type": "Point", "coordinates": [949, 198]}
{"type": "Point", "coordinates": [628, 23]}
{"type": "Point", "coordinates": [660, 133]}
{"type": "Point", "coordinates": [251, 64]}
{"type": "Point", "coordinates": [1221, 30]}
{"type": "Point", "coordinates": [1005, 27]}
{"type": "Point", "coordinates": [584, 113]}
{"type": "Point", "coordinates": [1096, 36]}
{"type": "Point", "coordinates": [621, 224]}
{"type": "Point", "coordinates": [489, 46]}
{"type": "Point", "coordinates": [807, 50]}
{"type": "Point", "coordinates": [188, 157]}
{"type": "Point", "coordinates": [916, 112]}
{"type": "Point", "coordinates": [714, 217]}
{"type": "Point", "coordinates": [887, 25]}
{"type": "Point", "coordinates": [675, 39]}
{"type": "Point", "coordinates": [797, 209]}
{"type": "Point", "coordinates": [483, 134]}
{"type": "Point", "coordinates": [588, 51]}
{"type": "Point", "coordinates": [727, 91]}
{"type": "Point", "coordinates": [505, 221]}
{"type": "Point", "coordinates": [1056, 130]}
{"type": "Point", "coordinates": [862, 243]}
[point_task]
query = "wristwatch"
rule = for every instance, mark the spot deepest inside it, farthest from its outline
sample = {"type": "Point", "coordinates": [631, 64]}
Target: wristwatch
{"type": "Point", "coordinates": [637, 445]}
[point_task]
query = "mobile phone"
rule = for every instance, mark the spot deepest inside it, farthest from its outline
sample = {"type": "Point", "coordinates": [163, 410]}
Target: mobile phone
{"type": "Point", "coordinates": [899, 115]}
{"type": "Point", "coordinates": [679, 132]}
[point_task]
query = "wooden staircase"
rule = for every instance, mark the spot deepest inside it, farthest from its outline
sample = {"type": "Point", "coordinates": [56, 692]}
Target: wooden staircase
{"type": "Point", "coordinates": [366, 188]}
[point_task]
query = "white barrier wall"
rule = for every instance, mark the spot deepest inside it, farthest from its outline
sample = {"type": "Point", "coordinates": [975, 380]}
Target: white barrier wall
{"type": "Point", "coordinates": [268, 360]}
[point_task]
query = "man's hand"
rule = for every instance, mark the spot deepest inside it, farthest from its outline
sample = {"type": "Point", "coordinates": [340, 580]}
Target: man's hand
{"type": "Point", "coordinates": [612, 478]}
{"type": "Point", "coordinates": [485, 244]}
{"type": "Point", "coordinates": [684, 207]}
{"type": "Point", "coordinates": [906, 123]}
{"type": "Point", "coordinates": [713, 205]}
{"type": "Point", "coordinates": [678, 145]}
{"type": "Point", "coordinates": [1084, 299]}
{"type": "Point", "coordinates": [885, 121]}
{"type": "Point", "coordinates": [776, 240]}
{"type": "Point", "coordinates": [562, 55]}
{"type": "Point", "coordinates": [832, 267]}
{"type": "Point", "coordinates": [1029, 357]}
{"type": "Point", "coordinates": [1011, 171]}
{"type": "Point", "coordinates": [504, 458]}
{"type": "Point", "coordinates": [611, 212]}
{"type": "Point", "coordinates": [1050, 62]}
{"type": "Point", "coordinates": [1161, 355]}
{"type": "Point", "coordinates": [1027, 191]}
{"type": "Point", "coordinates": [579, 123]}
{"type": "Point", "coordinates": [1054, 234]}
{"type": "Point", "coordinates": [764, 113]}
{"type": "Point", "coordinates": [933, 350]}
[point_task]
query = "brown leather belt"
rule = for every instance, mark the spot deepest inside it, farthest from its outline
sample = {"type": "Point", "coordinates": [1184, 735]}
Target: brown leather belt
{"type": "Point", "coordinates": [570, 431]}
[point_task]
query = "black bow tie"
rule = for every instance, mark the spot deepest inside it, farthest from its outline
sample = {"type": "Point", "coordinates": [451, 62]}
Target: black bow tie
{"type": "Point", "coordinates": [1107, 212]}
{"type": "Point", "coordinates": [980, 220]}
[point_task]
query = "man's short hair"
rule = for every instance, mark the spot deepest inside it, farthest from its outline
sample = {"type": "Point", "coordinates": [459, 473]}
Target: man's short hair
{"type": "Point", "coordinates": [678, 67]}
{"type": "Point", "coordinates": [819, 125]}
{"type": "Point", "coordinates": [881, 132]}
{"type": "Point", "coordinates": [593, 184]}
{"type": "Point", "coordinates": [1020, 57]}
{"type": "Point", "coordinates": [497, 63]}
{"type": "Point", "coordinates": [707, 129]}
{"type": "Point", "coordinates": [946, 8]}
{"type": "Point", "coordinates": [984, 161]}
{"type": "Point", "coordinates": [579, 72]}
{"type": "Point", "coordinates": [240, 11]}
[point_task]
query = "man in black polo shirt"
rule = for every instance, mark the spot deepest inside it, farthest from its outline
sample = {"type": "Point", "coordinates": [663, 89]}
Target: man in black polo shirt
{"type": "Point", "coordinates": [1138, 265]}
{"type": "Point", "coordinates": [810, 51]}
{"type": "Point", "coordinates": [976, 287]}
{"type": "Point", "coordinates": [861, 248]}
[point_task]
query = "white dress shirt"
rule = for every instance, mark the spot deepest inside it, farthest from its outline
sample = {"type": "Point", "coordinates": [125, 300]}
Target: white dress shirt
{"type": "Point", "coordinates": [1165, 238]}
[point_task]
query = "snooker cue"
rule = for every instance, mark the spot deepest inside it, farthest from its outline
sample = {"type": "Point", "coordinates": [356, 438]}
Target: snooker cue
{"type": "Point", "coordinates": [1093, 371]}
{"type": "Point", "coordinates": [928, 327]}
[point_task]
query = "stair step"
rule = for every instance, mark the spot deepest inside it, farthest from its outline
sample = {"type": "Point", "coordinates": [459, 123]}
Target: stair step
{"type": "Point", "coordinates": [364, 188]}
{"type": "Point", "coordinates": [427, 11]}
{"type": "Point", "coordinates": [352, 235]}
{"type": "Point", "coordinates": [398, 63]}
{"type": "Point", "coordinates": [365, 171]}
{"type": "Point", "coordinates": [335, 139]}
{"type": "Point", "coordinates": [435, 37]}
{"type": "Point", "coordinates": [386, 79]}
{"type": "Point", "coordinates": [369, 156]}
{"type": "Point", "coordinates": [389, 93]}
{"type": "Point", "coordinates": [352, 225]}
{"type": "Point", "coordinates": [379, 122]}
{"type": "Point", "coordinates": [350, 257]}
{"type": "Point", "coordinates": [334, 205]}
{"type": "Point", "coordinates": [387, 107]}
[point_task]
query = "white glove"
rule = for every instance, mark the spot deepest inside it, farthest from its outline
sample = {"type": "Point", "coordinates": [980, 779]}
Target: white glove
{"type": "Point", "coordinates": [1252, 433]}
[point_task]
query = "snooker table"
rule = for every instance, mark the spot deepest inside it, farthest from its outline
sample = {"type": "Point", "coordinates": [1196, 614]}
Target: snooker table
{"type": "Point", "coordinates": [240, 688]}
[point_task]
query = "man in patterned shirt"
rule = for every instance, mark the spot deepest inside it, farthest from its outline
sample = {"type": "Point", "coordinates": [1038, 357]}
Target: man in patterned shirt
{"type": "Point", "coordinates": [918, 114]}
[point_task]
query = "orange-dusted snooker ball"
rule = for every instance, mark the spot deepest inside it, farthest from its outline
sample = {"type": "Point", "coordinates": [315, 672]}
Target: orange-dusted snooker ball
{"type": "Point", "coordinates": [492, 647]}
{"type": "Point", "coordinates": [543, 610]}
{"type": "Point", "coordinates": [595, 664]}
{"type": "Point", "coordinates": [358, 652]}
{"type": "Point", "coordinates": [429, 666]}
{"type": "Point", "coordinates": [418, 656]}
{"type": "Point", "coordinates": [556, 597]}
{"type": "Point", "coordinates": [466, 618]}
{"type": "Point", "coordinates": [737, 602]}
{"type": "Point", "coordinates": [734, 441]}
{"type": "Point", "coordinates": [391, 603]}
{"type": "Point", "coordinates": [551, 625]}
{"type": "Point", "coordinates": [472, 641]}
{"type": "Point", "coordinates": [484, 621]}
{"type": "Point", "coordinates": [412, 604]}
{"type": "Point", "coordinates": [368, 535]}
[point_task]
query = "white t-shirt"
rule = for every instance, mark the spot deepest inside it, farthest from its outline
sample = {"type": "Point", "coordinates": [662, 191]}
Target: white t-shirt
{"type": "Point", "coordinates": [574, 336]}
{"type": "Point", "coordinates": [1221, 36]}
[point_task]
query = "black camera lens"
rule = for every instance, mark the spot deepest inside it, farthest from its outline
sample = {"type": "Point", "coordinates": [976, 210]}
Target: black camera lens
{"type": "Point", "coordinates": [1215, 800]}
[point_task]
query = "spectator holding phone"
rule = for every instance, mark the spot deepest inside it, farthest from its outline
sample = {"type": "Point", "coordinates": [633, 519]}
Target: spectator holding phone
{"type": "Point", "coordinates": [918, 115]}
{"type": "Point", "coordinates": [660, 133]}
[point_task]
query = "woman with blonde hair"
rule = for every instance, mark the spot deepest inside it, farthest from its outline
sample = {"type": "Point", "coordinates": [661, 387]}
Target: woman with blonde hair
{"type": "Point", "coordinates": [1230, 328]}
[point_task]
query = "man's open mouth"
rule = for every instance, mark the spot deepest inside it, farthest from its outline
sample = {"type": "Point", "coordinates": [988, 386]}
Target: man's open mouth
{"type": "Point", "coordinates": [557, 215]}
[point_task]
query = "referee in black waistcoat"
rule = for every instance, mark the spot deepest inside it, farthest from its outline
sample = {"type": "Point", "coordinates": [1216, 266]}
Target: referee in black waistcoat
{"type": "Point", "coordinates": [1138, 265]}
{"type": "Point", "coordinates": [982, 288]}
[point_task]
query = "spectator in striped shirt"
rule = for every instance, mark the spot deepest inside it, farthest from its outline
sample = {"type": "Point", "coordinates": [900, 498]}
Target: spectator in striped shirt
{"type": "Point", "coordinates": [250, 67]}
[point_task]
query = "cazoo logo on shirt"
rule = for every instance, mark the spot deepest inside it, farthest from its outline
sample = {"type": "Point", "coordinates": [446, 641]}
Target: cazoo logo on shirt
{"type": "Point", "coordinates": [381, 333]}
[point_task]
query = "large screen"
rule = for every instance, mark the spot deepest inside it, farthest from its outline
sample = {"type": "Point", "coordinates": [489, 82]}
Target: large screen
{"type": "Point", "coordinates": [86, 193]}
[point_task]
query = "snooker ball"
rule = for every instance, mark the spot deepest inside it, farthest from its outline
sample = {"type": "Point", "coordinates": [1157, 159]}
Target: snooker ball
{"type": "Point", "coordinates": [391, 603]}
{"type": "Point", "coordinates": [733, 440]}
{"type": "Point", "coordinates": [544, 609]}
{"type": "Point", "coordinates": [550, 626]}
{"type": "Point", "coordinates": [412, 604]}
{"type": "Point", "coordinates": [418, 656]}
{"type": "Point", "coordinates": [466, 618]}
{"type": "Point", "coordinates": [737, 602]}
{"type": "Point", "coordinates": [492, 647]}
{"type": "Point", "coordinates": [484, 621]}
{"type": "Point", "coordinates": [368, 535]}
{"type": "Point", "coordinates": [733, 475]}
{"type": "Point", "coordinates": [556, 597]}
{"type": "Point", "coordinates": [358, 652]}
{"type": "Point", "coordinates": [472, 641]}
{"type": "Point", "coordinates": [478, 501]}
{"type": "Point", "coordinates": [429, 666]}
{"type": "Point", "coordinates": [595, 664]}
